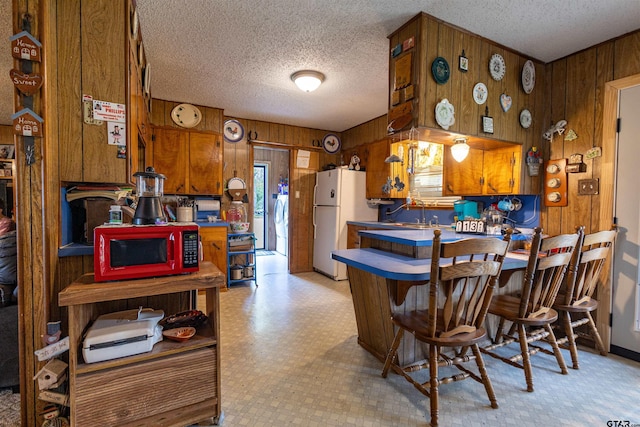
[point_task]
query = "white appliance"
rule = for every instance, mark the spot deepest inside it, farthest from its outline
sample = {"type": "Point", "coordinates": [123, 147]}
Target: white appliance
{"type": "Point", "coordinates": [121, 334]}
{"type": "Point", "coordinates": [281, 219]}
{"type": "Point", "coordinates": [339, 196]}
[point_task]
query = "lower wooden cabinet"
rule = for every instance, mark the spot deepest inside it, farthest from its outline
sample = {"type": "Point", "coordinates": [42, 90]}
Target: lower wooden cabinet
{"type": "Point", "coordinates": [214, 246]}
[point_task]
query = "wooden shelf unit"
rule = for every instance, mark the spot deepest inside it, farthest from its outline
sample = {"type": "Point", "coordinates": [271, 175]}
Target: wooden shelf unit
{"type": "Point", "coordinates": [175, 384]}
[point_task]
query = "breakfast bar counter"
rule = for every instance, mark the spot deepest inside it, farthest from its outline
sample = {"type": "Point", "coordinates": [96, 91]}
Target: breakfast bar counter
{"type": "Point", "coordinates": [386, 262]}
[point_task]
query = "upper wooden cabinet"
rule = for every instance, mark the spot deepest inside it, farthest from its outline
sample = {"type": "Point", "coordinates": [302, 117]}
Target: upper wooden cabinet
{"type": "Point", "coordinates": [379, 173]}
{"type": "Point", "coordinates": [102, 57]}
{"type": "Point", "coordinates": [491, 172]}
{"type": "Point", "coordinates": [191, 161]}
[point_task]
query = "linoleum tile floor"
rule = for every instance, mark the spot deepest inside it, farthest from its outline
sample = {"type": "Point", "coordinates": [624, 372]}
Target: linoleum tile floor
{"type": "Point", "coordinates": [290, 356]}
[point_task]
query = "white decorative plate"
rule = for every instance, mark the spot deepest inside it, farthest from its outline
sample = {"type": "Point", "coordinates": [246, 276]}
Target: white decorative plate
{"type": "Point", "coordinates": [497, 67]}
{"type": "Point", "coordinates": [445, 114]}
{"type": "Point", "coordinates": [331, 143]}
{"type": "Point", "coordinates": [525, 118]}
{"type": "Point", "coordinates": [186, 115]}
{"type": "Point", "coordinates": [480, 93]}
{"type": "Point", "coordinates": [528, 76]}
{"type": "Point", "coordinates": [233, 131]}
{"type": "Point", "coordinates": [236, 183]}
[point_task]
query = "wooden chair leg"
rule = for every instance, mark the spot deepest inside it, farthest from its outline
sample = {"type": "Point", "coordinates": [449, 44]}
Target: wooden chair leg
{"type": "Point", "coordinates": [392, 352]}
{"type": "Point", "coordinates": [485, 377]}
{"type": "Point", "coordinates": [596, 336]}
{"type": "Point", "coordinates": [433, 392]}
{"type": "Point", "coordinates": [571, 339]}
{"type": "Point", "coordinates": [526, 361]}
{"type": "Point", "coordinates": [556, 349]}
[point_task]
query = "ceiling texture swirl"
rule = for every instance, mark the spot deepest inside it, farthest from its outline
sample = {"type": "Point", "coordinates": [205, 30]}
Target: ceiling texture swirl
{"type": "Point", "coordinates": [238, 55]}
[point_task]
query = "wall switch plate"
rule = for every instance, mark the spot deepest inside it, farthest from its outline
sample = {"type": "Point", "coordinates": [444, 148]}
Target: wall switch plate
{"type": "Point", "coordinates": [588, 187]}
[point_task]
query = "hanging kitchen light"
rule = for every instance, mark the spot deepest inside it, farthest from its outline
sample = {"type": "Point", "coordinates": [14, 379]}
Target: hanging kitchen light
{"type": "Point", "coordinates": [307, 80]}
{"type": "Point", "coordinates": [460, 149]}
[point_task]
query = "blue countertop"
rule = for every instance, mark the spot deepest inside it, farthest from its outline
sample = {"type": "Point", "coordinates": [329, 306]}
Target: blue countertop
{"type": "Point", "coordinates": [401, 267]}
{"type": "Point", "coordinates": [417, 237]}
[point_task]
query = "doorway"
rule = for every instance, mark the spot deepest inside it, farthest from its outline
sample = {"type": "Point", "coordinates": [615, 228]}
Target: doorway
{"type": "Point", "coordinates": [260, 213]}
{"type": "Point", "coordinates": [625, 310]}
{"type": "Point", "coordinates": [271, 172]}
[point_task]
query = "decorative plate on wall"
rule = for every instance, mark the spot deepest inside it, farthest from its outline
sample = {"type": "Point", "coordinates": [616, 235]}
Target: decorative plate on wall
{"type": "Point", "coordinates": [440, 70]}
{"type": "Point", "coordinates": [331, 143]}
{"type": "Point", "coordinates": [497, 67]}
{"type": "Point", "coordinates": [445, 114]}
{"type": "Point", "coordinates": [480, 93]}
{"type": "Point", "coordinates": [186, 115]}
{"type": "Point", "coordinates": [233, 131]}
{"type": "Point", "coordinates": [525, 118]}
{"type": "Point", "coordinates": [528, 76]}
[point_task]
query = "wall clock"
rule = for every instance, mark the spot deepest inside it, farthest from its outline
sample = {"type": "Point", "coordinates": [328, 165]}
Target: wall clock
{"type": "Point", "coordinates": [331, 143]}
{"type": "Point", "coordinates": [233, 131]}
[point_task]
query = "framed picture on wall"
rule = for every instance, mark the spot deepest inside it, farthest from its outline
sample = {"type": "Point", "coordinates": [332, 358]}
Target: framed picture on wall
{"type": "Point", "coordinates": [7, 151]}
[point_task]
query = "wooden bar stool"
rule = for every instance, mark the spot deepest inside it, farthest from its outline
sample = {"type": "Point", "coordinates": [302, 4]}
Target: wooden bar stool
{"type": "Point", "coordinates": [463, 277]}
{"type": "Point", "coordinates": [531, 313]}
{"type": "Point", "coordinates": [578, 295]}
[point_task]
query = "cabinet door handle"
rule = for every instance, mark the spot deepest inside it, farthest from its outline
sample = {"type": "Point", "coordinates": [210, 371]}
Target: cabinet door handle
{"type": "Point", "coordinates": [450, 188]}
{"type": "Point", "coordinates": [179, 188]}
{"type": "Point", "coordinates": [215, 246]}
{"type": "Point", "coordinates": [495, 190]}
{"type": "Point", "coordinates": [195, 189]}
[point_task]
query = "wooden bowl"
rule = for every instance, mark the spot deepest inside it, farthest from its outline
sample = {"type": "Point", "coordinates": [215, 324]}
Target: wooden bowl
{"type": "Point", "coordinates": [179, 334]}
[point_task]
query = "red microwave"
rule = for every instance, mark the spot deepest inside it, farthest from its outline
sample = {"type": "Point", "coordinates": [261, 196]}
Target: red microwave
{"type": "Point", "coordinates": [123, 252]}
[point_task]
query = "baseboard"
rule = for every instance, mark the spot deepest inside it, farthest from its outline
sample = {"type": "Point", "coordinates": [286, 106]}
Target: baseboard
{"type": "Point", "coordinates": [633, 355]}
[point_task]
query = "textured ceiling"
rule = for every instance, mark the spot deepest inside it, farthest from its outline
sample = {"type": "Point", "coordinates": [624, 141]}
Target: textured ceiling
{"type": "Point", "coordinates": [238, 55]}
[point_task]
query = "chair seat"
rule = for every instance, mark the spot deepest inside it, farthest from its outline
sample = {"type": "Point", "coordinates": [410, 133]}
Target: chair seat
{"type": "Point", "coordinates": [416, 322]}
{"type": "Point", "coordinates": [583, 307]}
{"type": "Point", "coordinates": [508, 307]}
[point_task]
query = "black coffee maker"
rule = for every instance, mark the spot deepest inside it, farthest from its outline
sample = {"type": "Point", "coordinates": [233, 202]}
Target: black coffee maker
{"type": "Point", "coordinates": [149, 189]}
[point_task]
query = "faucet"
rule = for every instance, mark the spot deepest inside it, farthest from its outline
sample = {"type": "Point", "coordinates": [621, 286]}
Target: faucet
{"type": "Point", "coordinates": [389, 212]}
{"type": "Point", "coordinates": [422, 220]}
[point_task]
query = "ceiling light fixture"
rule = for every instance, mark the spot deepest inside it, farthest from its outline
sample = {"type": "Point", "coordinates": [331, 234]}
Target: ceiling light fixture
{"type": "Point", "coordinates": [307, 80]}
{"type": "Point", "coordinates": [459, 149]}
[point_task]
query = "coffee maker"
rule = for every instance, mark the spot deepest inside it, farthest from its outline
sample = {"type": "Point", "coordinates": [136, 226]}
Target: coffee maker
{"type": "Point", "coordinates": [149, 189]}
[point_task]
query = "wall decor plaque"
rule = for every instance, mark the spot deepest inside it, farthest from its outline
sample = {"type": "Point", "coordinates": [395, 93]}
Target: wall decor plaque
{"type": "Point", "coordinates": [403, 71]}
{"type": "Point", "coordinates": [25, 46]}
{"type": "Point", "coordinates": [27, 123]}
{"type": "Point", "coordinates": [26, 83]}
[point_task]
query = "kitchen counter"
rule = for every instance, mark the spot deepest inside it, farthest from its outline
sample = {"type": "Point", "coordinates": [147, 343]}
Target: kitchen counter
{"type": "Point", "coordinates": [380, 272]}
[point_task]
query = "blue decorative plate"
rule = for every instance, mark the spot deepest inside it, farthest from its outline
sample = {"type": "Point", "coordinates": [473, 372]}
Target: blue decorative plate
{"type": "Point", "coordinates": [440, 70]}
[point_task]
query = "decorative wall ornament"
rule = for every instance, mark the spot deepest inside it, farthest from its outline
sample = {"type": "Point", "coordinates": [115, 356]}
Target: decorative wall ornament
{"type": "Point", "coordinates": [557, 128]}
{"type": "Point", "coordinates": [571, 135]}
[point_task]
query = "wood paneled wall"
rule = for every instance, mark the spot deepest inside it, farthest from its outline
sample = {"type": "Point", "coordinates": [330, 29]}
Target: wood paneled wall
{"type": "Point", "coordinates": [576, 94]}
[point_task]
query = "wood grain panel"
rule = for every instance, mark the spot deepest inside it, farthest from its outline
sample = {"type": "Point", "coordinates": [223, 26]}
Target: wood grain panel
{"type": "Point", "coordinates": [581, 88]}
{"type": "Point", "coordinates": [468, 113]}
{"type": "Point", "coordinates": [430, 52]}
{"type": "Point", "coordinates": [626, 59]}
{"type": "Point", "coordinates": [69, 84]}
{"type": "Point", "coordinates": [512, 87]}
{"type": "Point", "coordinates": [102, 54]}
{"type": "Point", "coordinates": [445, 91]}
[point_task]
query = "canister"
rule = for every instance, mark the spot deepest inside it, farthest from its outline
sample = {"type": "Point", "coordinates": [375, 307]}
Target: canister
{"type": "Point", "coordinates": [248, 271]}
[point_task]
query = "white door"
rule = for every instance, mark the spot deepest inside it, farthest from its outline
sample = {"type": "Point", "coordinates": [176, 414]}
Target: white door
{"type": "Point", "coordinates": [625, 310]}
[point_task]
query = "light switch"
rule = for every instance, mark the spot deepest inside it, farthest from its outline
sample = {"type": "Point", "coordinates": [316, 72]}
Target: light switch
{"type": "Point", "coordinates": [297, 194]}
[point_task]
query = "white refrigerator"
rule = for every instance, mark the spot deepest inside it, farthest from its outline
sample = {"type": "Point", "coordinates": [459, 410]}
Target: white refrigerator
{"type": "Point", "coordinates": [339, 196]}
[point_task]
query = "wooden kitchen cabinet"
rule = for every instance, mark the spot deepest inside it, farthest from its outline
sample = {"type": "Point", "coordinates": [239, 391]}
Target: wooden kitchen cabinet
{"type": "Point", "coordinates": [191, 161]}
{"type": "Point", "coordinates": [464, 178]}
{"type": "Point", "coordinates": [502, 170]}
{"type": "Point", "coordinates": [490, 172]}
{"type": "Point", "coordinates": [214, 246]}
{"type": "Point", "coordinates": [175, 384]}
{"type": "Point", "coordinates": [378, 172]}
{"type": "Point", "coordinates": [376, 168]}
